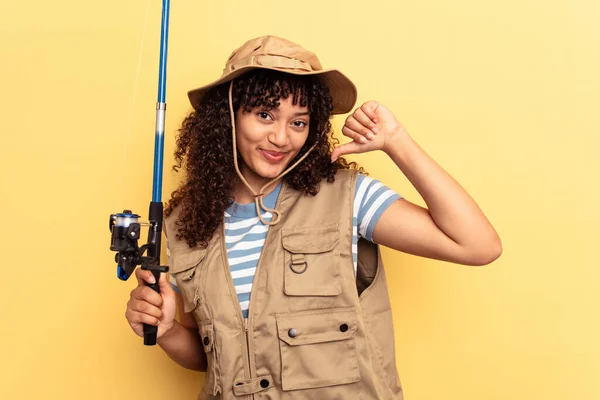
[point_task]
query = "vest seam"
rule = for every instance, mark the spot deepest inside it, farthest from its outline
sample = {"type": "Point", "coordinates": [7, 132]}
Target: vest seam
{"type": "Point", "coordinates": [351, 225]}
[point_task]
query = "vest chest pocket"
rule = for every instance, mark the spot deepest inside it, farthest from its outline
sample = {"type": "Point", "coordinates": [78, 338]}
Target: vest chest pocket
{"type": "Point", "coordinates": [186, 269]}
{"type": "Point", "coordinates": [311, 262]}
{"type": "Point", "coordinates": [317, 348]}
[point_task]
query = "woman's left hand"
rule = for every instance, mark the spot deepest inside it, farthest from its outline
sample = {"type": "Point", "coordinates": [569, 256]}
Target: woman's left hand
{"type": "Point", "coordinates": [371, 127]}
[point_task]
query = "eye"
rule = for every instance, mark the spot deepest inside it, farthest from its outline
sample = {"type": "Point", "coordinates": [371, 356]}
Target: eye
{"type": "Point", "coordinates": [300, 124]}
{"type": "Point", "coordinates": [263, 115]}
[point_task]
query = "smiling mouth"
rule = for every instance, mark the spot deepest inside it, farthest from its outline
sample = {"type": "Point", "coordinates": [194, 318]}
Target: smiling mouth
{"type": "Point", "coordinates": [272, 156]}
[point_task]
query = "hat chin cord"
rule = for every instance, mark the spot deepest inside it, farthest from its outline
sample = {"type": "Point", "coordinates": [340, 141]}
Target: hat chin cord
{"type": "Point", "coordinates": [258, 197]}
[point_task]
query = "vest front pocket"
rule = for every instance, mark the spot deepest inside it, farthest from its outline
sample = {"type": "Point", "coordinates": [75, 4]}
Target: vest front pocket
{"type": "Point", "coordinates": [185, 266]}
{"type": "Point", "coordinates": [311, 263]}
{"type": "Point", "coordinates": [211, 379]}
{"type": "Point", "coordinates": [317, 348]}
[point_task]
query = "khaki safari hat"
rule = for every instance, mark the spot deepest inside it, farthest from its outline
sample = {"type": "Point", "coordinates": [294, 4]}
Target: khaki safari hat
{"type": "Point", "coordinates": [275, 53]}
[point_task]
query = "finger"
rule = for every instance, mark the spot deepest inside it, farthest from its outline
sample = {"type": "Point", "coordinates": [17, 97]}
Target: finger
{"type": "Point", "coordinates": [359, 128]}
{"type": "Point", "coordinates": [347, 148]}
{"type": "Point", "coordinates": [144, 277]}
{"type": "Point", "coordinates": [147, 294]}
{"type": "Point", "coordinates": [165, 285]}
{"type": "Point", "coordinates": [135, 317]}
{"type": "Point", "coordinates": [143, 307]}
{"type": "Point", "coordinates": [354, 133]}
{"type": "Point", "coordinates": [369, 108]}
{"type": "Point", "coordinates": [365, 120]}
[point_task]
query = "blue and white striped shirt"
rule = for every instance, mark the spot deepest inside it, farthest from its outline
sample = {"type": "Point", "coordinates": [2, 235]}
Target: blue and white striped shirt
{"type": "Point", "coordinates": [245, 234]}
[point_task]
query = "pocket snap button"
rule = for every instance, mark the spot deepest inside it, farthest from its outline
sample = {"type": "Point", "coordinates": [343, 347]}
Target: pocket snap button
{"type": "Point", "coordinates": [206, 341]}
{"type": "Point", "coordinates": [344, 327]}
{"type": "Point", "coordinates": [292, 333]}
{"type": "Point", "coordinates": [264, 383]}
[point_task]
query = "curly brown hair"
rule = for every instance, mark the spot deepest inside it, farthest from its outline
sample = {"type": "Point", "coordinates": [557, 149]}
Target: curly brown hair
{"type": "Point", "coordinates": [204, 148]}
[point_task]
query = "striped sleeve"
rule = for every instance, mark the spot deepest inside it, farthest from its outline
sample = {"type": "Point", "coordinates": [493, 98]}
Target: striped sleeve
{"type": "Point", "coordinates": [371, 199]}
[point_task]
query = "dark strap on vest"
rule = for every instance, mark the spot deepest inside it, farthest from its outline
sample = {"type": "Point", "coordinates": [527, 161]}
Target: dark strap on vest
{"type": "Point", "coordinates": [251, 386]}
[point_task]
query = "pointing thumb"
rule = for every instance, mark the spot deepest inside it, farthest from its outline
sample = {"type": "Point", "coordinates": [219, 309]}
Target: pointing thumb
{"type": "Point", "coordinates": [346, 148]}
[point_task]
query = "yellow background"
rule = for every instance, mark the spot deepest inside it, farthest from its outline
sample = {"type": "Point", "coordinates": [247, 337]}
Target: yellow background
{"type": "Point", "coordinates": [504, 95]}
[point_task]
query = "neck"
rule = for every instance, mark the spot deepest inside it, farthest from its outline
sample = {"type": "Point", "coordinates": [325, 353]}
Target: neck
{"type": "Point", "coordinates": [243, 195]}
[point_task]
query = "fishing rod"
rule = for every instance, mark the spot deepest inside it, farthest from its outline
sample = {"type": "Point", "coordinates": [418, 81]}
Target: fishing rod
{"type": "Point", "coordinates": [125, 227]}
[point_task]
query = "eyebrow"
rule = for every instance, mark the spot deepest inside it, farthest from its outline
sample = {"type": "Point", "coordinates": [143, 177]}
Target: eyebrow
{"type": "Point", "coordinates": [298, 114]}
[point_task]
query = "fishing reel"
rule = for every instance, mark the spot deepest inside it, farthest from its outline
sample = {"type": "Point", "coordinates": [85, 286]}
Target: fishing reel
{"type": "Point", "coordinates": [125, 231]}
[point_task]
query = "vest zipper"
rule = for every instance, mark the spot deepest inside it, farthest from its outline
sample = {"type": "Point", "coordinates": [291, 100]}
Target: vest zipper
{"type": "Point", "coordinates": [248, 321]}
{"type": "Point", "coordinates": [243, 321]}
{"type": "Point", "coordinates": [248, 349]}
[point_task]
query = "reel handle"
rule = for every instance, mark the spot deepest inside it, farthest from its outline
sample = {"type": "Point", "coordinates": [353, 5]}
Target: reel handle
{"type": "Point", "coordinates": [150, 331]}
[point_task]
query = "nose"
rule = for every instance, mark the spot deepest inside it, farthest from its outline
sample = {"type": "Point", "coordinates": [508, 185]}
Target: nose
{"type": "Point", "coordinates": [278, 136]}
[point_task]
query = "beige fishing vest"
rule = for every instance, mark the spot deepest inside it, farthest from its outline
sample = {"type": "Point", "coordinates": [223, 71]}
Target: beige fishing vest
{"type": "Point", "coordinates": [314, 331]}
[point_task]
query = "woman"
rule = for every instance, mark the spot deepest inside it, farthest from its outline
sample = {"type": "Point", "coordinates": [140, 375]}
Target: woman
{"type": "Point", "coordinates": [271, 235]}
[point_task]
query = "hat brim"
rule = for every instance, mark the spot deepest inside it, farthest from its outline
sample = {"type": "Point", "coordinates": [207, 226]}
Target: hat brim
{"type": "Point", "coordinates": [343, 92]}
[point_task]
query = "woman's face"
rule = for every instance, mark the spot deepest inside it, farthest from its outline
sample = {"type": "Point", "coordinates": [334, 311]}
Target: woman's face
{"type": "Point", "coordinates": [268, 140]}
